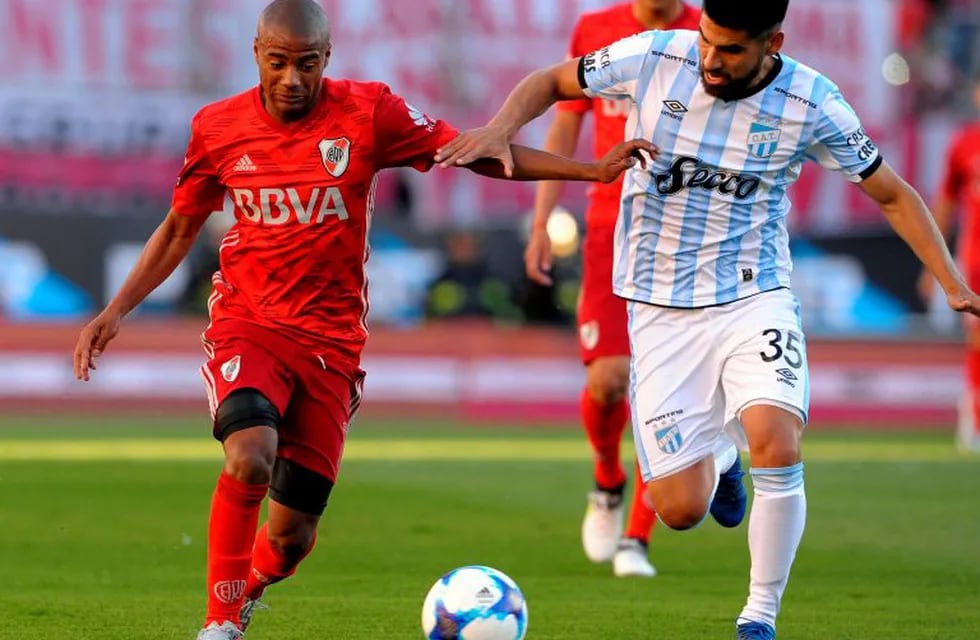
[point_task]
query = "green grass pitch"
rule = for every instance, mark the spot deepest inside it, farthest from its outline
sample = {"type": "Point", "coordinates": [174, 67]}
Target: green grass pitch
{"type": "Point", "coordinates": [102, 527]}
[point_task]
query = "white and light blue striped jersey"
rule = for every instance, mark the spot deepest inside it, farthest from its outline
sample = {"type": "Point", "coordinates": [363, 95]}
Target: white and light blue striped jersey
{"type": "Point", "coordinates": [705, 224]}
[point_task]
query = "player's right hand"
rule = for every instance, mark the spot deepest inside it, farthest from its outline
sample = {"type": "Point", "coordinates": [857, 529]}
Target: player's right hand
{"type": "Point", "coordinates": [623, 156]}
{"type": "Point", "coordinates": [476, 144]}
{"type": "Point", "coordinates": [537, 257]}
{"type": "Point", "coordinates": [93, 340]}
{"type": "Point", "coordinates": [964, 301]}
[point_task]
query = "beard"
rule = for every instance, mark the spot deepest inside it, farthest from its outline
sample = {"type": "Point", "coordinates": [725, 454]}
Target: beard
{"type": "Point", "coordinates": [734, 88]}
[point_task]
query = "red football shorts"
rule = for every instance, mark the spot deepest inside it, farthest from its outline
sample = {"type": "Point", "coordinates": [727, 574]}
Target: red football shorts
{"type": "Point", "coordinates": [602, 320]}
{"type": "Point", "coordinates": [316, 394]}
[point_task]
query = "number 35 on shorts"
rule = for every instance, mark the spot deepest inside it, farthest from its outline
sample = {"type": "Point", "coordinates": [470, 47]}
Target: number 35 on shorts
{"type": "Point", "coordinates": [785, 345]}
{"type": "Point", "coordinates": [785, 351]}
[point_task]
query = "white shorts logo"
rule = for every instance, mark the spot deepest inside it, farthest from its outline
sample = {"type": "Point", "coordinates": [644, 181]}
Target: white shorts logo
{"type": "Point", "coordinates": [229, 591]}
{"type": "Point", "coordinates": [588, 334]}
{"type": "Point", "coordinates": [230, 369]}
{"type": "Point", "coordinates": [669, 439]}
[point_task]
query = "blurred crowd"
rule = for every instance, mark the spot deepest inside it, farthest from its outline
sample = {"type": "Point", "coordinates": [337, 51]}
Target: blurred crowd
{"type": "Point", "coordinates": [940, 39]}
{"type": "Point", "coordinates": [476, 270]}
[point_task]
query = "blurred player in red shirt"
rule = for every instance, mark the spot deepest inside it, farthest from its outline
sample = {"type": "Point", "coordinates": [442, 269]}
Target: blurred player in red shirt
{"type": "Point", "coordinates": [298, 156]}
{"type": "Point", "coordinates": [960, 190]}
{"type": "Point", "coordinates": [603, 339]}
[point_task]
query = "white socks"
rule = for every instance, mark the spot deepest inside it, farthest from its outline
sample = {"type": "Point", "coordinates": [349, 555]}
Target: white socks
{"type": "Point", "coordinates": [776, 525]}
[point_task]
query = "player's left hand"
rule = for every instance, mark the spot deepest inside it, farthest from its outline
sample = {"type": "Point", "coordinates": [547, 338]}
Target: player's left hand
{"type": "Point", "coordinates": [624, 156]}
{"type": "Point", "coordinates": [537, 257]}
{"type": "Point", "coordinates": [964, 301]}
{"type": "Point", "coordinates": [92, 342]}
{"type": "Point", "coordinates": [475, 144]}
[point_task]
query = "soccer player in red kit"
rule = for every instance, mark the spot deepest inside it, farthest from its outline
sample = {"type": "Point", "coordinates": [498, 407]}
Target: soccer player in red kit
{"type": "Point", "coordinates": [603, 339]}
{"type": "Point", "coordinates": [298, 156]}
{"type": "Point", "coordinates": [960, 190]}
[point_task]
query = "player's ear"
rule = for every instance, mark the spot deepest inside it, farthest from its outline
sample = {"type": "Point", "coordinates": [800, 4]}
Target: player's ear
{"type": "Point", "coordinates": [326, 55]}
{"type": "Point", "coordinates": [775, 43]}
{"type": "Point", "coordinates": [255, 50]}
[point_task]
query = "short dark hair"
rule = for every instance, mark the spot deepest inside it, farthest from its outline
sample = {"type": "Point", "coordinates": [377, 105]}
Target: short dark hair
{"type": "Point", "coordinates": [752, 16]}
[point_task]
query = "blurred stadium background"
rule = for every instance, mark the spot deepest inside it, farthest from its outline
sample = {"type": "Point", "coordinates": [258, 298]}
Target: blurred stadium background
{"type": "Point", "coordinates": [95, 100]}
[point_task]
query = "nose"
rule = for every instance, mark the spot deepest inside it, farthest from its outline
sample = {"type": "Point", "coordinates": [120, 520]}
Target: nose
{"type": "Point", "coordinates": [291, 77]}
{"type": "Point", "coordinates": [710, 60]}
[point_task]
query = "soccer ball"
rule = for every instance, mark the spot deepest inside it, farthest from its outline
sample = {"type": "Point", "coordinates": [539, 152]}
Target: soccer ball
{"type": "Point", "coordinates": [474, 603]}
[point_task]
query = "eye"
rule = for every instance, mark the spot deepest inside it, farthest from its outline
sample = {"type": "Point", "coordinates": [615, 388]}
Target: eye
{"type": "Point", "coordinates": [276, 65]}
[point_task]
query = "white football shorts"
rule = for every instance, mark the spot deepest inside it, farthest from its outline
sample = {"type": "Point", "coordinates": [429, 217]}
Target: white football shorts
{"type": "Point", "coordinates": [693, 372]}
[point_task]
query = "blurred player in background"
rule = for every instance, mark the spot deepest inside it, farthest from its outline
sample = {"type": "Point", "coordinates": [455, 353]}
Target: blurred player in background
{"type": "Point", "coordinates": [702, 256]}
{"type": "Point", "coordinates": [603, 339]}
{"type": "Point", "coordinates": [960, 190]}
{"type": "Point", "coordinates": [299, 156]}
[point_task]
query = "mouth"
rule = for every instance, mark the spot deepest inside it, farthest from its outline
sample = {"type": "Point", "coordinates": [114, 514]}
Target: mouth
{"type": "Point", "coordinates": [291, 100]}
{"type": "Point", "coordinates": [715, 77]}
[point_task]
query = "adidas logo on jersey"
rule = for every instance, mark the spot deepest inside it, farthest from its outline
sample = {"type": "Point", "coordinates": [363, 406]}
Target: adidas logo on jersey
{"type": "Point", "coordinates": [245, 164]}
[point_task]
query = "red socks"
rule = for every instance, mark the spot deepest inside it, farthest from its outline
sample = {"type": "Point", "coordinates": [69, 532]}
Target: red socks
{"type": "Point", "coordinates": [231, 534]}
{"type": "Point", "coordinates": [642, 517]}
{"type": "Point", "coordinates": [604, 426]}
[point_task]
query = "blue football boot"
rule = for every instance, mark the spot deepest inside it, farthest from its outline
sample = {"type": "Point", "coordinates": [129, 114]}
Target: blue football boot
{"type": "Point", "coordinates": [728, 506]}
{"type": "Point", "coordinates": [754, 631]}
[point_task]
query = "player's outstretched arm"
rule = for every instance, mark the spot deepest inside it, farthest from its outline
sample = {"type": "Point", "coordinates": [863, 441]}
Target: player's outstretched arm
{"type": "Point", "coordinates": [910, 218]}
{"type": "Point", "coordinates": [530, 98]}
{"type": "Point", "coordinates": [165, 249]}
{"type": "Point", "coordinates": [534, 164]}
{"type": "Point", "coordinates": [562, 139]}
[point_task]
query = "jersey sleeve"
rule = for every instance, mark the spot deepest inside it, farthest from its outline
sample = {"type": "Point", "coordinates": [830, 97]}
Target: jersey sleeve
{"type": "Point", "coordinates": [841, 143]}
{"type": "Point", "coordinates": [405, 136]}
{"type": "Point", "coordinates": [576, 50]}
{"type": "Point", "coordinates": [613, 71]}
{"type": "Point", "coordinates": [198, 189]}
{"type": "Point", "coordinates": [953, 175]}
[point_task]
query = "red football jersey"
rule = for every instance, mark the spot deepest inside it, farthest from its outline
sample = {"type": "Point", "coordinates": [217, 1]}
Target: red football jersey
{"type": "Point", "coordinates": [303, 199]}
{"type": "Point", "coordinates": [962, 185]}
{"type": "Point", "coordinates": [592, 32]}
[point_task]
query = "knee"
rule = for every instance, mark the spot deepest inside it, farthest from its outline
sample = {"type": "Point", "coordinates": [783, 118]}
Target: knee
{"type": "Point", "coordinates": [774, 434]}
{"type": "Point", "coordinates": [678, 509]}
{"type": "Point", "coordinates": [681, 500]}
{"type": "Point", "coordinates": [607, 384]}
{"type": "Point", "coordinates": [249, 464]}
{"type": "Point", "coordinates": [246, 422]}
{"type": "Point", "coordinates": [679, 516]}
{"type": "Point", "coordinates": [777, 452]}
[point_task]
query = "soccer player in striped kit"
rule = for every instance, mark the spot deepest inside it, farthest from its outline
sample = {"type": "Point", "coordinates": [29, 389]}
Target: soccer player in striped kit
{"type": "Point", "coordinates": [702, 256]}
{"type": "Point", "coordinates": [601, 315]}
